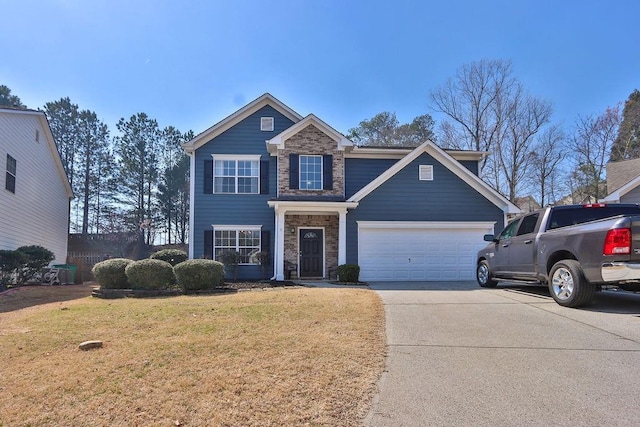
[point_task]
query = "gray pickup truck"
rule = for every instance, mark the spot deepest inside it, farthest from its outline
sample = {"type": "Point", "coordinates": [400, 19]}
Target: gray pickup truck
{"type": "Point", "coordinates": [575, 250]}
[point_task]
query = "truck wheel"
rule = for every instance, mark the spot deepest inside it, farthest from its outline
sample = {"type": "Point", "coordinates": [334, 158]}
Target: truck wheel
{"type": "Point", "coordinates": [568, 286]}
{"type": "Point", "coordinates": [483, 275]}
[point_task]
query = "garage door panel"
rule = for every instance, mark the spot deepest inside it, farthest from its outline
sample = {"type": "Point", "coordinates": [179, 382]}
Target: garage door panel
{"type": "Point", "coordinates": [419, 254]}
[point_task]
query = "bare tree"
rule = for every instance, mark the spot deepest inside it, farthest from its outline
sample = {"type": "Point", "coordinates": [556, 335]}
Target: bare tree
{"type": "Point", "coordinates": [591, 144]}
{"type": "Point", "coordinates": [546, 158]}
{"type": "Point", "coordinates": [472, 101]}
{"type": "Point", "coordinates": [489, 110]}
{"type": "Point", "coordinates": [525, 115]}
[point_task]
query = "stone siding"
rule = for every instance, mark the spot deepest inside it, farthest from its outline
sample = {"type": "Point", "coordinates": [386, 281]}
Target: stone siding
{"type": "Point", "coordinates": [310, 141]}
{"type": "Point", "coordinates": [328, 222]}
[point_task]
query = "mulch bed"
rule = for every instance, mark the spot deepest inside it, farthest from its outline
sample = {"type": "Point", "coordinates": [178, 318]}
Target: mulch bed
{"type": "Point", "coordinates": [230, 287]}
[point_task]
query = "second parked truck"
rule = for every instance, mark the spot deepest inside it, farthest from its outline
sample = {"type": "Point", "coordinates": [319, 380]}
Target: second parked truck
{"type": "Point", "coordinates": [575, 250]}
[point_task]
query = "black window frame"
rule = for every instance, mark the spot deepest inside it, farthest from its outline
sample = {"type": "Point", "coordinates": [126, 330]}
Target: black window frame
{"type": "Point", "coordinates": [11, 174]}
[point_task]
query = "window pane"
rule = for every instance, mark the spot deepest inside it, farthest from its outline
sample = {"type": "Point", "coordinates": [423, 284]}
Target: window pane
{"type": "Point", "coordinates": [11, 165]}
{"type": "Point", "coordinates": [245, 172]}
{"type": "Point", "coordinates": [224, 185]}
{"type": "Point", "coordinates": [248, 185]}
{"type": "Point", "coordinates": [10, 183]}
{"type": "Point", "coordinates": [248, 168]}
{"type": "Point", "coordinates": [10, 178]}
{"type": "Point", "coordinates": [311, 172]}
{"type": "Point", "coordinates": [246, 242]}
{"type": "Point", "coordinates": [225, 238]}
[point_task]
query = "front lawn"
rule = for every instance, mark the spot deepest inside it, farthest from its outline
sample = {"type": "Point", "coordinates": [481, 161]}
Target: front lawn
{"type": "Point", "coordinates": [279, 357]}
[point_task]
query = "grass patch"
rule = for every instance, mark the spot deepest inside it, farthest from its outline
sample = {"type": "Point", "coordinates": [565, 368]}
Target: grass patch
{"type": "Point", "coordinates": [283, 357]}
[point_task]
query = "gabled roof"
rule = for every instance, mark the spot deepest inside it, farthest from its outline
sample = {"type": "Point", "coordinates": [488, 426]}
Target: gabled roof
{"type": "Point", "coordinates": [237, 117]}
{"type": "Point", "coordinates": [277, 142]}
{"type": "Point", "coordinates": [616, 195]}
{"type": "Point", "coordinates": [44, 124]}
{"type": "Point", "coordinates": [450, 163]}
{"type": "Point", "coordinates": [621, 173]}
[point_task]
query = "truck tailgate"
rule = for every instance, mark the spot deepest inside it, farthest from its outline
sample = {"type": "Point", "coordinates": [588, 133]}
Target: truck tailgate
{"type": "Point", "coordinates": [635, 239]}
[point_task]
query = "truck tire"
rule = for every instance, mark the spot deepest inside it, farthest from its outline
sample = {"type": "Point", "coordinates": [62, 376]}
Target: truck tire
{"type": "Point", "coordinates": [568, 286]}
{"type": "Point", "coordinates": [483, 275]}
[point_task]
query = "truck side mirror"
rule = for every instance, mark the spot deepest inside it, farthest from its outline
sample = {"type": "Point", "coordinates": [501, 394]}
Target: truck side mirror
{"type": "Point", "coordinates": [489, 238]}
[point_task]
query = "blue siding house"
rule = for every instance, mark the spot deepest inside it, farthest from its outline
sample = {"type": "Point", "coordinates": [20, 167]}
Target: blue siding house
{"type": "Point", "coordinates": [266, 179]}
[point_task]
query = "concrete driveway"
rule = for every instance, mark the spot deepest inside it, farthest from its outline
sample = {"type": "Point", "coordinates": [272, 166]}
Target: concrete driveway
{"type": "Point", "coordinates": [459, 355]}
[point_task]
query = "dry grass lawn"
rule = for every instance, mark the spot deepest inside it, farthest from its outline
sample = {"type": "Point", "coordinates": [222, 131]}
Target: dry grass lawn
{"type": "Point", "coordinates": [262, 358]}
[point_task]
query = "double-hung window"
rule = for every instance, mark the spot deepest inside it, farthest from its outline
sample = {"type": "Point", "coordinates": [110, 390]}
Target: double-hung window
{"type": "Point", "coordinates": [10, 179]}
{"type": "Point", "coordinates": [236, 174]}
{"type": "Point", "coordinates": [242, 239]}
{"type": "Point", "coordinates": [311, 172]}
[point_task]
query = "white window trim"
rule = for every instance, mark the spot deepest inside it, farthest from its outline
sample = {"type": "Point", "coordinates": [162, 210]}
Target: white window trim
{"type": "Point", "coordinates": [236, 158]}
{"type": "Point", "coordinates": [425, 173]}
{"type": "Point", "coordinates": [237, 228]}
{"type": "Point", "coordinates": [267, 124]}
{"type": "Point", "coordinates": [300, 172]}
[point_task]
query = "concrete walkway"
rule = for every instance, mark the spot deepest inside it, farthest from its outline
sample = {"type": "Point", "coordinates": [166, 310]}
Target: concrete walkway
{"type": "Point", "coordinates": [459, 355]}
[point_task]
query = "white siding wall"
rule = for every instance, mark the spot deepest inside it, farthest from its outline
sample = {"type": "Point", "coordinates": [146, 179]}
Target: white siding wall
{"type": "Point", "coordinates": [38, 212]}
{"type": "Point", "coordinates": [632, 196]}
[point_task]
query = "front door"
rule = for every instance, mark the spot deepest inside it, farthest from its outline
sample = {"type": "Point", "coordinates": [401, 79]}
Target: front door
{"type": "Point", "coordinates": [311, 252]}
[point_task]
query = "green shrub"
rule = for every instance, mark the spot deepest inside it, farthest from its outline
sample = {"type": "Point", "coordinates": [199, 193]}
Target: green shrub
{"type": "Point", "coordinates": [110, 273]}
{"type": "Point", "coordinates": [264, 259]}
{"type": "Point", "coordinates": [150, 274]}
{"type": "Point", "coordinates": [36, 258]}
{"type": "Point", "coordinates": [348, 273]}
{"type": "Point", "coordinates": [231, 259]}
{"type": "Point", "coordinates": [199, 274]}
{"type": "Point", "coordinates": [10, 262]}
{"type": "Point", "coordinates": [172, 256]}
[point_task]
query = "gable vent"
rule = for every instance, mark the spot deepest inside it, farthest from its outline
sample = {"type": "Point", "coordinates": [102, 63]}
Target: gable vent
{"type": "Point", "coordinates": [266, 124]}
{"type": "Point", "coordinates": [426, 173]}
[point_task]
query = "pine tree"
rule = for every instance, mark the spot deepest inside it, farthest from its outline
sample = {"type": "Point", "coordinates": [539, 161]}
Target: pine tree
{"type": "Point", "coordinates": [627, 143]}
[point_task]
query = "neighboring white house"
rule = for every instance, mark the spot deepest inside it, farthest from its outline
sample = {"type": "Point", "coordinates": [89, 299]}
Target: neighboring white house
{"type": "Point", "coordinates": [34, 189]}
{"type": "Point", "coordinates": [623, 182]}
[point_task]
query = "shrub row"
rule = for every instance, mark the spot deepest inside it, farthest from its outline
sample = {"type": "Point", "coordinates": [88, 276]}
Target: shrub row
{"type": "Point", "coordinates": [156, 274]}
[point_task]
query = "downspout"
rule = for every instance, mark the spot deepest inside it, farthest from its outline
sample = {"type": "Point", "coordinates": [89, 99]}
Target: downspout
{"type": "Point", "coordinates": [192, 197]}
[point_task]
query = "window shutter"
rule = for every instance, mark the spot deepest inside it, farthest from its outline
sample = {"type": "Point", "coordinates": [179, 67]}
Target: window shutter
{"type": "Point", "coordinates": [327, 172]}
{"type": "Point", "coordinates": [265, 241]}
{"type": "Point", "coordinates": [294, 172]}
{"type": "Point", "coordinates": [208, 244]}
{"type": "Point", "coordinates": [264, 177]}
{"type": "Point", "coordinates": [208, 177]}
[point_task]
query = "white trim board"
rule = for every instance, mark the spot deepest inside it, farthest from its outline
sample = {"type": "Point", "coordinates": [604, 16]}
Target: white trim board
{"type": "Point", "coordinates": [235, 118]}
{"type": "Point", "coordinates": [450, 163]}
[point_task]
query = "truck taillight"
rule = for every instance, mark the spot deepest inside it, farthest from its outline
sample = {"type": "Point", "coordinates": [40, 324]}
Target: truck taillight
{"type": "Point", "coordinates": [618, 241]}
{"type": "Point", "coordinates": [595, 205]}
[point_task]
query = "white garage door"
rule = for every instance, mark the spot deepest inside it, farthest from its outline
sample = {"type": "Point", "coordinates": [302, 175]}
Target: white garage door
{"type": "Point", "coordinates": [420, 251]}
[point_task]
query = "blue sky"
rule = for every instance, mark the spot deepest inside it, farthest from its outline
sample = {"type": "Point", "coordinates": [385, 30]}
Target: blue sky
{"type": "Point", "coordinates": [191, 63]}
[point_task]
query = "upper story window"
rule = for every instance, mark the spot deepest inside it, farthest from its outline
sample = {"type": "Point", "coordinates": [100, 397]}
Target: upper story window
{"type": "Point", "coordinates": [236, 174]}
{"type": "Point", "coordinates": [10, 181]}
{"type": "Point", "coordinates": [310, 172]}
